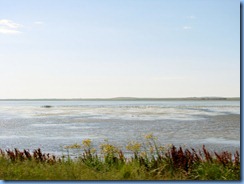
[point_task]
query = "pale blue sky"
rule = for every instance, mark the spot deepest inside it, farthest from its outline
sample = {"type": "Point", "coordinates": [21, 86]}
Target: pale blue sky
{"type": "Point", "coordinates": [111, 48]}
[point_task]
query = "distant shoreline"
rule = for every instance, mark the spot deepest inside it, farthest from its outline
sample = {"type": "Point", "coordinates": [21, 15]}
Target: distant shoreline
{"type": "Point", "coordinates": [131, 99]}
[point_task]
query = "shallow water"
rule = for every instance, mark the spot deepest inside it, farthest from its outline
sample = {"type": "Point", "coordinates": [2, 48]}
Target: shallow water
{"type": "Point", "coordinates": [26, 124]}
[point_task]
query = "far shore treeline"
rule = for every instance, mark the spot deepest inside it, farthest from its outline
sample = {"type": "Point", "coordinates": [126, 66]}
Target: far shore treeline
{"type": "Point", "coordinates": [128, 99]}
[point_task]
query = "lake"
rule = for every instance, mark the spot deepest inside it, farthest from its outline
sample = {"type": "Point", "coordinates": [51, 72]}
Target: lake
{"type": "Point", "coordinates": [29, 125]}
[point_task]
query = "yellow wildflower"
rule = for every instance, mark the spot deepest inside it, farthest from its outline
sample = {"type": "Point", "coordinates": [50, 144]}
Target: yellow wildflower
{"type": "Point", "coordinates": [134, 146]}
{"type": "Point", "coordinates": [86, 143]}
{"type": "Point", "coordinates": [108, 149]}
{"type": "Point", "coordinates": [149, 136]}
{"type": "Point", "coordinates": [161, 148]}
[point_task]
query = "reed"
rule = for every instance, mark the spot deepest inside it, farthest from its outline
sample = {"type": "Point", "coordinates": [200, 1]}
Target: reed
{"type": "Point", "coordinates": [17, 155]}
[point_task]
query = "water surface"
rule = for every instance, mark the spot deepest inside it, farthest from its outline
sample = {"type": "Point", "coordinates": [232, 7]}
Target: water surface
{"type": "Point", "coordinates": [27, 124]}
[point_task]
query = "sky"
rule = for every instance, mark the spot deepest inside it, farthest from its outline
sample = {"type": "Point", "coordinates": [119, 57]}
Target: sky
{"type": "Point", "coordinates": [119, 48]}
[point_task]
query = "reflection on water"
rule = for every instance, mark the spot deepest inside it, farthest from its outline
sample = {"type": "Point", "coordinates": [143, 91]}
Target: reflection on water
{"type": "Point", "coordinates": [26, 124]}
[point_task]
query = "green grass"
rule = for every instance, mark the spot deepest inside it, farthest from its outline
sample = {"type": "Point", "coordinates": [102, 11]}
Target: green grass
{"type": "Point", "coordinates": [149, 162]}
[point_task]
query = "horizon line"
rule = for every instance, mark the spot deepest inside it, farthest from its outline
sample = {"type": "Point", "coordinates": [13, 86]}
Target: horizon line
{"type": "Point", "coordinates": [125, 98]}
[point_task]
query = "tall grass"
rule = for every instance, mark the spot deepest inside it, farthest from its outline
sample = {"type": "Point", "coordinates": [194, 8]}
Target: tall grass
{"type": "Point", "coordinates": [148, 161]}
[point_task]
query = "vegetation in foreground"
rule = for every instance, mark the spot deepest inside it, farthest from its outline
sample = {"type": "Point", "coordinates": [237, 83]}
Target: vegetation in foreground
{"type": "Point", "coordinates": [148, 162]}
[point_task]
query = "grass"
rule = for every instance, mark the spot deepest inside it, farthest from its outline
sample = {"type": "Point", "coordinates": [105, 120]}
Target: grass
{"type": "Point", "coordinates": [149, 161]}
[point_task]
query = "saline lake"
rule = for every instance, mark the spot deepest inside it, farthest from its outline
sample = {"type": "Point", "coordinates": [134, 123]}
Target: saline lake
{"type": "Point", "coordinates": [52, 125]}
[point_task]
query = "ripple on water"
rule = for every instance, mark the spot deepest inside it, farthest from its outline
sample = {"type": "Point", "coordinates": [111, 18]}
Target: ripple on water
{"type": "Point", "coordinates": [216, 140]}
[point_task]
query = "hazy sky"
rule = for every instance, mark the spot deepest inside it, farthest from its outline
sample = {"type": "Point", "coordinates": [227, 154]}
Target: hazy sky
{"type": "Point", "coordinates": [114, 48]}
